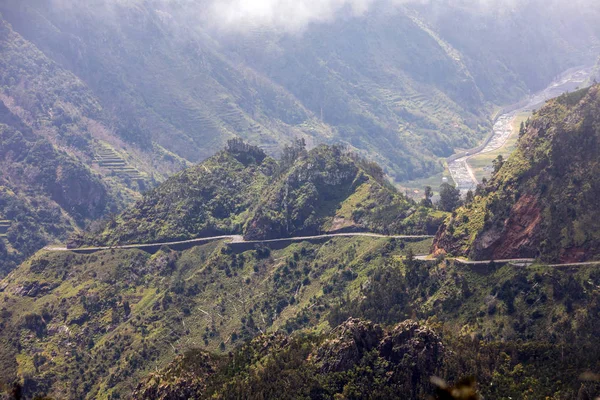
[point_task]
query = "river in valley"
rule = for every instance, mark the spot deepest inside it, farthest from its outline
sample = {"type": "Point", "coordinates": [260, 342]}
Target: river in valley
{"type": "Point", "coordinates": [461, 172]}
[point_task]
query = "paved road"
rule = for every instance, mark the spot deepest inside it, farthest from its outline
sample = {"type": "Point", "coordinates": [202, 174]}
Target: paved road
{"type": "Point", "coordinates": [523, 261]}
{"type": "Point", "coordinates": [461, 171]}
{"type": "Point", "coordinates": [240, 239]}
{"type": "Point", "coordinates": [237, 239]}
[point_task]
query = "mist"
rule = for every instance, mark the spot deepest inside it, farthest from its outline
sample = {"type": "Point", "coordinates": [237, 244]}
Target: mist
{"type": "Point", "coordinates": [298, 15]}
{"type": "Point", "coordinates": [295, 16]}
{"type": "Point", "coordinates": [288, 15]}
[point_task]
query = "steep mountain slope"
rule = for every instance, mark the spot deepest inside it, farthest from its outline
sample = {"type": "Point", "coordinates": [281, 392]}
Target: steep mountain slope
{"type": "Point", "coordinates": [544, 200]}
{"type": "Point", "coordinates": [93, 326]}
{"type": "Point", "coordinates": [381, 81]}
{"type": "Point", "coordinates": [61, 165]}
{"type": "Point", "coordinates": [404, 85]}
{"type": "Point", "coordinates": [243, 191]}
{"type": "Point", "coordinates": [45, 194]}
{"type": "Point", "coordinates": [59, 106]}
{"type": "Point", "coordinates": [182, 94]}
{"type": "Point", "coordinates": [512, 48]}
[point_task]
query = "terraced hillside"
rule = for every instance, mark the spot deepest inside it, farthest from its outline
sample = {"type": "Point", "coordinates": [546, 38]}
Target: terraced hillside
{"type": "Point", "coordinates": [406, 94]}
{"type": "Point", "coordinates": [4, 226]}
{"type": "Point", "coordinates": [45, 193]}
{"type": "Point", "coordinates": [108, 159]}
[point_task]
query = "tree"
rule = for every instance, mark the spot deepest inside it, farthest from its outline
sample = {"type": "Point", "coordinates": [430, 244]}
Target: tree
{"type": "Point", "coordinates": [449, 197]}
{"type": "Point", "coordinates": [292, 153]}
{"type": "Point", "coordinates": [522, 129]}
{"type": "Point", "coordinates": [498, 163]}
{"type": "Point", "coordinates": [469, 197]}
{"type": "Point", "coordinates": [426, 202]}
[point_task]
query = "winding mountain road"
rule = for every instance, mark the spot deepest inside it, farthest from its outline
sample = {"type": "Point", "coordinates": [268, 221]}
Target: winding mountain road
{"type": "Point", "coordinates": [233, 239]}
{"type": "Point", "coordinates": [240, 239]}
{"type": "Point", "coordinates": [461, 171]}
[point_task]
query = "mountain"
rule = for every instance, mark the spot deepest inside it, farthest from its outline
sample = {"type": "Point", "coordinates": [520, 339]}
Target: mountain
{"type": "Point", "coordinates": [135, 91]}
{"type": "Point", "coordinates": [241, 190]}
{"type": "Point", "coordinates": [543, 201]}
{"type": "Point", "coordinates": [96, 325]}
{"type": "Point", "coordinates": [61, 164]}
{"type": "Point", "coordinates": [403, 85]}
{"type": "Point", "coordinates": [45, 193]}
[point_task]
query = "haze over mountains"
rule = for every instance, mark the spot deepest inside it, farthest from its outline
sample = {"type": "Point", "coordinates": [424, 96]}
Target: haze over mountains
{"type": "Point", "coordinates": [394, 81]}
{"type": "Point", "coordinates": [129, 122]}
{"type": "Point", "coordinates": [136, 90]}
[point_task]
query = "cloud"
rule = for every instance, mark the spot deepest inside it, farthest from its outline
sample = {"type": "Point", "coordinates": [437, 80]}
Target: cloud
{"type": "Point", "coordinates": [298, 15]}
{"type": "Point", "coordinates": [289, 15]}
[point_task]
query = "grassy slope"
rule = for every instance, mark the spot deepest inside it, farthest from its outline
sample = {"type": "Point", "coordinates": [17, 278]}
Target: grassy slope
{"type": "Point", "coordinates": [73, 306]}
{"type": "Point", "coordinates": [521, 332]}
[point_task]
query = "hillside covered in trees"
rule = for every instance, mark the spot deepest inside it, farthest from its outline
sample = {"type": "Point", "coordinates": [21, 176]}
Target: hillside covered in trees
{"type": "Point", "coordinates": [96, 325]}
{"type": "Point", "coordinates": [543, 201]}
{"type": "Point", "coordinates": [241, 190]}
{"type": "Point", "coordinates": [150, 121]}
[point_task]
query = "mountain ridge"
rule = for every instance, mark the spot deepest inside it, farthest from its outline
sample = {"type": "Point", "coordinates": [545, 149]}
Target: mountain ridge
{"type": "Point", "coordinates": [243, 191]}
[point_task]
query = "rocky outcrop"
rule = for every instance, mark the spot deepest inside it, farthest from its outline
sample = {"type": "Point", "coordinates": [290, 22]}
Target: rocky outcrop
{"type": "Point", "coordinates": [185, 378]}
{"type": "Point", "coordinates": [349, 342]}
{"type": "Point", "coordinates": [516, 238]}
{"type": "Point", "coordinates": [407, 345]}
{"type": "Point", "coordinates": [408, 355]}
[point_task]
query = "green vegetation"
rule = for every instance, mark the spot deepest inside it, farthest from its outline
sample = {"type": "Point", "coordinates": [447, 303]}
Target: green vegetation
{"type": "Point", "coordinates": [243, 191]}
{"type": "Point", "coordinates": [449, 197]}
{"type": "Point", "coordinates": [542, 201]}
{"type": "Point", "coordinates": [509, 327]}
{"type": "Point", "coordinates": [107, 158]}
{"type": "Point", "coordinates": [209, 199]}
{"type": "Point", "coordinates": [44, 193]}
{"type": "Point", "coordinates": [105, 319]}
{"type": "Point", "coordinates": [95, 325]}
{"type": "Point", "coordinates": [413, 90]}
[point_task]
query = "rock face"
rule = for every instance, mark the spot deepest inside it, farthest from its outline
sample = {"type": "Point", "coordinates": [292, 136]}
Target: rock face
{"type": "Point", "coordinates": [518, 236]}
{"type": "Point", "coordinates": [406, 357]}
{"type": "Point", "coordinates": [185, 378]}
{"type": "Point", "coordinates": [543, 202]}
{"type": "Point", "coordinates": [351, 341]}
{"type": "Point", "coordinates": [412, 353]}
